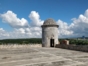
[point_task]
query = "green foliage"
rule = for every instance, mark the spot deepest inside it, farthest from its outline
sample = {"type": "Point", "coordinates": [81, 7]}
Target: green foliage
{"type": "Point", "coordinates": [39, 41]}
{"type": "Point", "coordinates": [76, 41]}
{"type": "Point", "coordinates": [21, 41]}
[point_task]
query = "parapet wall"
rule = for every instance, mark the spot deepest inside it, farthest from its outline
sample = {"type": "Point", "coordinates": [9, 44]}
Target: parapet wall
{"type": "Point", "coordinates": [74, 47]}
{"type": "Point", "coordinates": [9, 46]}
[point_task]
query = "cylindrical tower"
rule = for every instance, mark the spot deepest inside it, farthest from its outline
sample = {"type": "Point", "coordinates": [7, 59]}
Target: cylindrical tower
{"type": "Point", "coordinates": [49, 33]}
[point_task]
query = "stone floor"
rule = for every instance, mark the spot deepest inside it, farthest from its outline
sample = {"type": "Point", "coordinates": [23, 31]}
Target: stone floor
{"type": "Point", "coordinates": [42, 57]}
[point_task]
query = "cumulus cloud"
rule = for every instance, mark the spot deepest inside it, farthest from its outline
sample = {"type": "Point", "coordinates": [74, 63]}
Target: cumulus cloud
{"type": "Point", "coordinates": [78, 27]}
{"type": "Point", "coordinates": [35, 18]}
{"type": "Point", "coordinates": [64, 30]}
{"type": "Point", "coordinates": [12, 19]}
{"type": "Point", "coordinates": [21, 26]}
{"type": "Point", "coordinates": [86, 13]}
{"type": "Point", "coordinates": [25, 33]}
{"type": "Point", "coordinates": [3, 33]}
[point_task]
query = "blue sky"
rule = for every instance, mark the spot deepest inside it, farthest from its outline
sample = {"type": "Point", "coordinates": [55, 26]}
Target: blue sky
{"type": "Point", "coordinates": [63, 10]}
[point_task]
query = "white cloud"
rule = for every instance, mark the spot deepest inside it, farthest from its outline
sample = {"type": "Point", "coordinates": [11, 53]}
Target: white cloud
{"type": "Point", "coordinates": [19, 25]}
{"type": "Point", "coordinates": [35, 18]}
{"type": "Point", "coordinates": [20, 30]}
{"type": "Point", "coordinates": [26, 33]}
{"type": "Point", "coordinates": [12, 19]}
{"type": "Point", "coordinates": [78, 27]}
{"type": "Point", "coordinates": [86, 13]}
{"type": "Point", "coordinates": [3, 33]}
{"type": "Point", "coordinates": [64, 30]}
{"type": "Point", "coordinates": [1, 30]}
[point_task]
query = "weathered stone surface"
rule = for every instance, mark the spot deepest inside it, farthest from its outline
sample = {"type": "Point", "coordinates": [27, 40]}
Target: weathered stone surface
{"type": "Point", "coordinates": [42, 57]}
{"type": "Point", "coordinates": [83, 48]}
{"type": "Point", "coordinates": [49, 31]}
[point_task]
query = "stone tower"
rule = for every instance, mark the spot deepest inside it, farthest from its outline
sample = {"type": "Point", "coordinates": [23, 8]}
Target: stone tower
{"type": "Point", "coordinates": [49, 33]}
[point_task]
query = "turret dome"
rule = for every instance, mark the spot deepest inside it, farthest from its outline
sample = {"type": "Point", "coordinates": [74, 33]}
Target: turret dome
{"type": "Point", "coordinates": [49, 22]}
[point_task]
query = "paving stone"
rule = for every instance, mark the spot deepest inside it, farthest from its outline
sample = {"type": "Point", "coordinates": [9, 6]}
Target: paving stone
{"type": "Point", "coordinates": [42, 57]}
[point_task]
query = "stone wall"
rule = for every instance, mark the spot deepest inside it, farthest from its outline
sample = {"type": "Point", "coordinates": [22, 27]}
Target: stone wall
{"type": "Point", "coordinates": [19, 46]}
{"type": "Point", "coordinates": [74, 47]}
{"type": "Point", "coordinates": [47, 34]}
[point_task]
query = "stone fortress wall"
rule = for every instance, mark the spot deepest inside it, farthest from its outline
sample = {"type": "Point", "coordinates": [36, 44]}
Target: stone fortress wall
{"type": "Point", "coordinates": [11, 46]}
{"type": "Point", "coordinates": [66, 45]}
{"type": "Point", "coordinates": [70, 47]}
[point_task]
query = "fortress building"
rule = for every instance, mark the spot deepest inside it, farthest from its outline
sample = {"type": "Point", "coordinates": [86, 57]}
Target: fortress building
{"type": "Point", "coordinates": [49, 33]}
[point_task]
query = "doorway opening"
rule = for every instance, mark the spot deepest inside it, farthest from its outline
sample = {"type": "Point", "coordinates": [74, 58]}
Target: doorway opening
{"type": "Point", "coordinates": [51, 42]}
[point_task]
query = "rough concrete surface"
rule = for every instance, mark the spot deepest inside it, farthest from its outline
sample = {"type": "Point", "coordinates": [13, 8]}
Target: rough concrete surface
{"type": "Point", "coordinates": [42, 57]}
